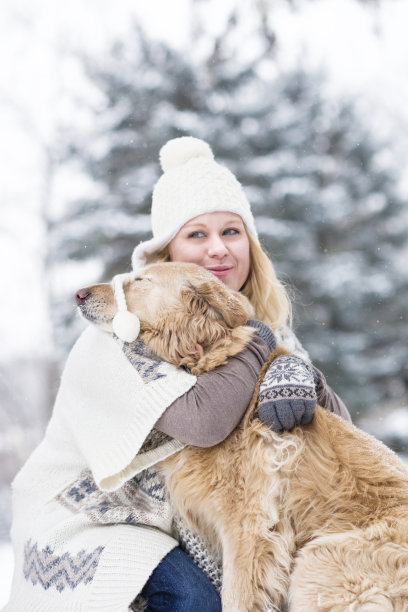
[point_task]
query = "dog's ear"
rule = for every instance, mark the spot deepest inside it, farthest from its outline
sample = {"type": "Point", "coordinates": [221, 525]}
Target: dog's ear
{"type": "Point", "coordinates": [217, 302]}
{"type": "Point", "coordinates": [203, 331]}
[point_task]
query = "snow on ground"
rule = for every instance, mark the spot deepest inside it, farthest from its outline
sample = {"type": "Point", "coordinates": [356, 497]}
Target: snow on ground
{"type": "Point", "coordinates": [6, 565]}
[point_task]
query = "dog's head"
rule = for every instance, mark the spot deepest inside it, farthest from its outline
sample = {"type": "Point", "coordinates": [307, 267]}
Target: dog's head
{"type": "Point", "coordinates": [187, 316]}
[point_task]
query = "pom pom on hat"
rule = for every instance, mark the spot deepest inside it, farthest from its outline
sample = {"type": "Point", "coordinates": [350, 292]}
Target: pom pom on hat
{"type": "Point", "coordinates": [178, 151]}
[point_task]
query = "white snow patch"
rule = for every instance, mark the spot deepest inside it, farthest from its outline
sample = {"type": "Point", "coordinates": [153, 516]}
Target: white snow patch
{"type": "Point", "coordinates": [396, 423]}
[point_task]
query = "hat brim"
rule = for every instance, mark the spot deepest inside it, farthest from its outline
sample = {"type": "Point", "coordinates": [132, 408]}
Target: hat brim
{"type": "Point", "coordinates": [142, 251]}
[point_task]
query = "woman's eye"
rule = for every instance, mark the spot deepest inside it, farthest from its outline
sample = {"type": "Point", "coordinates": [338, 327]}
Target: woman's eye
{"type": "Point", "coordinates": [230, 231]}
{"type": "Point", "coordinates": [196, 235]}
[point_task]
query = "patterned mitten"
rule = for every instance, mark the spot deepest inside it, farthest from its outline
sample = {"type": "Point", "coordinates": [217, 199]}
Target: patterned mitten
{"type": "Point", "coordinates": [287, 395]}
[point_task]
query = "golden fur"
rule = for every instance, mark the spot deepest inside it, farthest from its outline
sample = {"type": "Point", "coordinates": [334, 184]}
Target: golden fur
{"type": "Point", "coordinates": [313, 520]}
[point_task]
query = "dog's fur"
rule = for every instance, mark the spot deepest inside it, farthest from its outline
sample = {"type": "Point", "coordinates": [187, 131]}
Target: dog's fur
{"type": "Point", "coordinates": [313, 520]}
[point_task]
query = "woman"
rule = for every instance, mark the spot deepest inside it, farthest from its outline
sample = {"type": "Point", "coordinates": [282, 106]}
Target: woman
{"type": "Point", "coordinates": [92, 525]}
{"type": "Point", "coordinates": [200, 215]}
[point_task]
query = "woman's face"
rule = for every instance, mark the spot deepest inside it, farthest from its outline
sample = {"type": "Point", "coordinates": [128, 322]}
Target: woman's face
{"type": "Point", "coordinates": [218, 242]}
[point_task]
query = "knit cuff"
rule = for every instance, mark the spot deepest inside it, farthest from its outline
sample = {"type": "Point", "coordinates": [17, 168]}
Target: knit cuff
{"type": "Point", "coordinates": [264, 332]}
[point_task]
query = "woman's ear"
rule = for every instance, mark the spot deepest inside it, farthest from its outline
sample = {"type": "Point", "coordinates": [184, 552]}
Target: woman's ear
{"type": "Point", "coordinates": [216, 301]}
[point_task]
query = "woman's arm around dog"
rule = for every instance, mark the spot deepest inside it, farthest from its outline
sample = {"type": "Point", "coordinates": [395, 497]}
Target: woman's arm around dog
{"type": "Point", "coordinates": [210, 411]}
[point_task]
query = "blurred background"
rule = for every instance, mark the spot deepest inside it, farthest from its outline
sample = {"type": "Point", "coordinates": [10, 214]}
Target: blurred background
{"type": "Point", "coordinates": [304, 100]}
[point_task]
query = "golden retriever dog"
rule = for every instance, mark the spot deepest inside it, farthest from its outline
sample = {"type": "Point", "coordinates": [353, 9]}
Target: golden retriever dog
{"type": "Point", "coordinates": [311, 520]}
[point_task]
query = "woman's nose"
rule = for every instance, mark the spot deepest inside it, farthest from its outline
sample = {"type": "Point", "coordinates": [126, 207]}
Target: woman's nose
{"type": "Point", "coordinates": [217, 247]}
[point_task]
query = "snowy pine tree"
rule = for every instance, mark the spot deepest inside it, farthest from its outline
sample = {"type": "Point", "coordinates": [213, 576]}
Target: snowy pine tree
{"type": "Point", "coordinates": [325, 202]}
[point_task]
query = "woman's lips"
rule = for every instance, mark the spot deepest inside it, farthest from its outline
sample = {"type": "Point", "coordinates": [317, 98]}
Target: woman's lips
{"type": "Point", "coordinates": [220, 270]}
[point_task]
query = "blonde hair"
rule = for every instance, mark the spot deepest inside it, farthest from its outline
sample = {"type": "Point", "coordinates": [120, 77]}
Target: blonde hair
{"type": "Point", "coordinates": [264, 290]}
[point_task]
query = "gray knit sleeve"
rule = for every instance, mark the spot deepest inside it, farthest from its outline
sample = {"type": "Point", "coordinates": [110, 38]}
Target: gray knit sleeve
{"type": "Point", "coordinates": [263, 332]}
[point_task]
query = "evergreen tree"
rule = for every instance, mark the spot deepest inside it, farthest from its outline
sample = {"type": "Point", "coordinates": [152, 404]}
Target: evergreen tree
{"type": "Point", "coordinates": [325, 204]}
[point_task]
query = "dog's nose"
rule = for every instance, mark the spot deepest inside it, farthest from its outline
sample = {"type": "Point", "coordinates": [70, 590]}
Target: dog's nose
{"type": "Point", "coordinates": [81, 295]}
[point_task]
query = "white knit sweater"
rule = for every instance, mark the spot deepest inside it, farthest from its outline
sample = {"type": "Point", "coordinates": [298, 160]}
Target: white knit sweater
{"type": "Point", "coordinates": [74, 550]}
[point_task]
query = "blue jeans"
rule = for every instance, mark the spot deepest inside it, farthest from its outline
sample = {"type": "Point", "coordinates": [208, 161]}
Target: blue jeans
{"type": "Point", "coordinates": [179, 585]}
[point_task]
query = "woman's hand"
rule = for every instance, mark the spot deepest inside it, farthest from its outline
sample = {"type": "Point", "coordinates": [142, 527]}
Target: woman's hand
{"type": "Point", "coordinates": [287, 394]}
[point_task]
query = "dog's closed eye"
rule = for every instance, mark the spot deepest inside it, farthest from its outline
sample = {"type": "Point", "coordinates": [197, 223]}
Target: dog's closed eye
{"type": "Point", "coordinates": [141, 278]}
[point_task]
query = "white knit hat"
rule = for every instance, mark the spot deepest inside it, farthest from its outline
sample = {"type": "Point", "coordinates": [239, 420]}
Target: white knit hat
{"type": "Point", "coordinates": [192, 184]}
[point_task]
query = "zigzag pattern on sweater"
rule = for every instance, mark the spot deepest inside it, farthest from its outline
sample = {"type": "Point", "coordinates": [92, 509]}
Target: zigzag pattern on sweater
{"type": "Point", "coordinates": [59, 571]}
{"type": "Point", "coordinates": [151, 482]}
{"type": "Point", "coordinates": [144, 360]}
{"type": "Point", "coordinates": [140, 501]}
